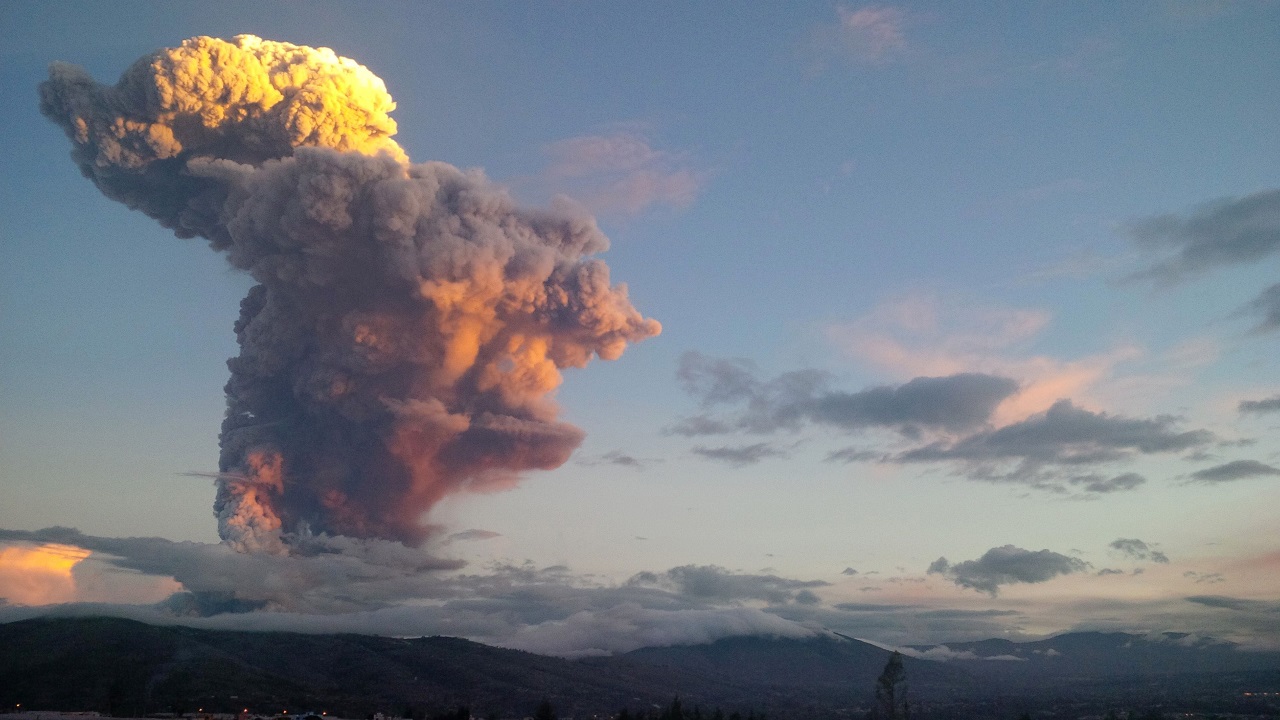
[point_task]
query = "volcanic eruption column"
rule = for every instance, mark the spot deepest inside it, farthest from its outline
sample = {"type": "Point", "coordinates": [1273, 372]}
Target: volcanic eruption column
{"type": "Point", "coordinates": [410, 321]}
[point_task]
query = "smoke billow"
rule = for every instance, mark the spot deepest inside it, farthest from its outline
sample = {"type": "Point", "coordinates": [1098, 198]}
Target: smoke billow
{"type": "Point", "coordinates": [410, 321]}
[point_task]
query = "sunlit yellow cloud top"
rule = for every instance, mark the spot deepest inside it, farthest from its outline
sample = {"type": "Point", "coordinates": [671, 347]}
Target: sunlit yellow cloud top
{"type": "Point", "coordinates": [39, 575]}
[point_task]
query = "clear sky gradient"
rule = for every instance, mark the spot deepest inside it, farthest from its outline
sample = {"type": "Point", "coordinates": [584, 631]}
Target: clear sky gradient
{"type": "Point", "coordinates": [948, 218]}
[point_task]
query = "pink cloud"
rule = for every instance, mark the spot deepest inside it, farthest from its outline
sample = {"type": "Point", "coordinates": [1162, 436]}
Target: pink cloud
{"type": "Point", "coordinates": [621, 172]}
{"type": "Point", "coordinates": [919, 335]}
{"type": "Point", "coordinates": [873, 34]}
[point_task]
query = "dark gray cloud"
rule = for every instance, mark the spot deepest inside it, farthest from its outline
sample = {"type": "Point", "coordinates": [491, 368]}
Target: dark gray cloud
{"type": "Point", "coordinates": [1223, 602]}
{"type": "Point", "coordinates": [618, 458]}
{"type": "Point", "coordinates": [848, 571]}
{"type": "Point", "coordinates": [1267, 305]}
{"type": "Point", "coordinates": [1136, 549]}
{"type": "Point", "coordinates": [1266, 405]}
{"type": "Point", "coordinates": [1007, 565]}
{"type": "Point", "coordinates": [711, 583]}
{"type": "Point", "coordinates": [698, 425]}
{"type": "Point", "coordinates": [871, 607]}
{"type": "Point", "coordinates": [472, 534]}
{"type": "Point", "coordinates": [807, 597]}
{"type": "Point", "coordinates": [767, 406]}
{"type": "Point", "coordinates": [953, 403]}
{"type": "Point", "coordinates": [740, 455]}
{"type": "Point", "coordinates": [852, 455]}
{"type": "Point", "coordinates": [1102, 485]}
{"type": "Point", "coordinates": [949, 613]}
{"type": "Point", "coordinates": [717, 380]}
{"type": "Point", "coordinates": [1210, 578]}
{"type": "Point", "coordinates": [1036, 451]}
{"type": "Point", "coordinates": [1234, 470]}
{"type": "Point", "coordinates": [1109, 571]}
{"type": "Point", "coordinates": [1064, 435]}
{"type": "Point", "coordinates": [1233, 231]}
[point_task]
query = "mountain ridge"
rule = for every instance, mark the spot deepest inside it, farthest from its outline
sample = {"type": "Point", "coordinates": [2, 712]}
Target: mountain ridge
{"type": "Point", "coordinates": [122, 666]}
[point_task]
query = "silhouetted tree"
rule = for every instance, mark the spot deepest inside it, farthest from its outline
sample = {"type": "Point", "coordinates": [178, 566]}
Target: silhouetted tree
{"type": "Point", "coordinates": [673, 711]}
{"type": "Point", "coordinates": [891, 691]}
{"type": "Point", "coordinates": [545, 711]}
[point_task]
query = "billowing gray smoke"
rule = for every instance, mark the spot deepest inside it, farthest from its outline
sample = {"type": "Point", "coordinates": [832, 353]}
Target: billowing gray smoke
{"type": "Point", "coordinates": [410, 322]}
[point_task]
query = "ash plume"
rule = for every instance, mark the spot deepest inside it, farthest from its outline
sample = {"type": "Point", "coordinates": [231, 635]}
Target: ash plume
{"type": "Point", "coordinates": [410, 321]}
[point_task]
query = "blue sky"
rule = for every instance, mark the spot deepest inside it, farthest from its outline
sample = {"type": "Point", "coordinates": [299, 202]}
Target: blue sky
{"type": "Point", "coordinates": [874, 193]}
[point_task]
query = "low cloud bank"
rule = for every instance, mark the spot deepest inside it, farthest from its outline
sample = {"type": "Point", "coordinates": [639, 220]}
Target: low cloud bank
{"type": "Point", "coordinates": [339, 584]}
{"type": "Point", "coordinates": [385, 588]}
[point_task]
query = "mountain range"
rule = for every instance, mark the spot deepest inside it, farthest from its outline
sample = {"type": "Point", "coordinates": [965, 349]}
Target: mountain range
{"type": "Point", "coordinates": [129, 668]}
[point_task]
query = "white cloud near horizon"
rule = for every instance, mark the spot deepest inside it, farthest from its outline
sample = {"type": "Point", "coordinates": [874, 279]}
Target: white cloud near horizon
{"type": "Point", "coordinates": [388, 589]}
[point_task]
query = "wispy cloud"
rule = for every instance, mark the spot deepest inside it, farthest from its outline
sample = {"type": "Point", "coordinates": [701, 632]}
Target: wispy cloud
{"type": "Point", "coordinates": [740, 455]}
{"type": "Point", "coordinates": [1210, 578]}
{"type": "Point", "coordinates": [1232, 471]}
{"type": "Point", "coordinates": [880, 36]}
{"type": "Point", "coordinates": [1079, 265]}
{"type": "Point", "coordinates": [1266, 405]}
{"type": "Point", "coordinates": [617, 458]}
{"type": "Point", "coordinates": [1267, 306]}
{"type": "Point", "coordinates": [1136, 549]}
{"type": "Point", "coordinates": [852, 455]}
{"type": "Point", "coordinates": [622, 172]}
{"type": "Point", "coordinates": [1102, 485]}
{"type": "Point", "coordinates": [1089, 57]}
{"type": "Point", "coordinates": [874, 34]}
{"type": "Point", "coordinates": [1232, 231]}
{"type": "Point", "coordinates": [472, 535]}
{"type": "Point", "coordinates": [1239, 604]}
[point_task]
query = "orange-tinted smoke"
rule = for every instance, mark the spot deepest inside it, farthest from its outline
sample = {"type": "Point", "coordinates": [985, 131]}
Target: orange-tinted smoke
{"type": "Point", "coordinates": [410, 323]}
